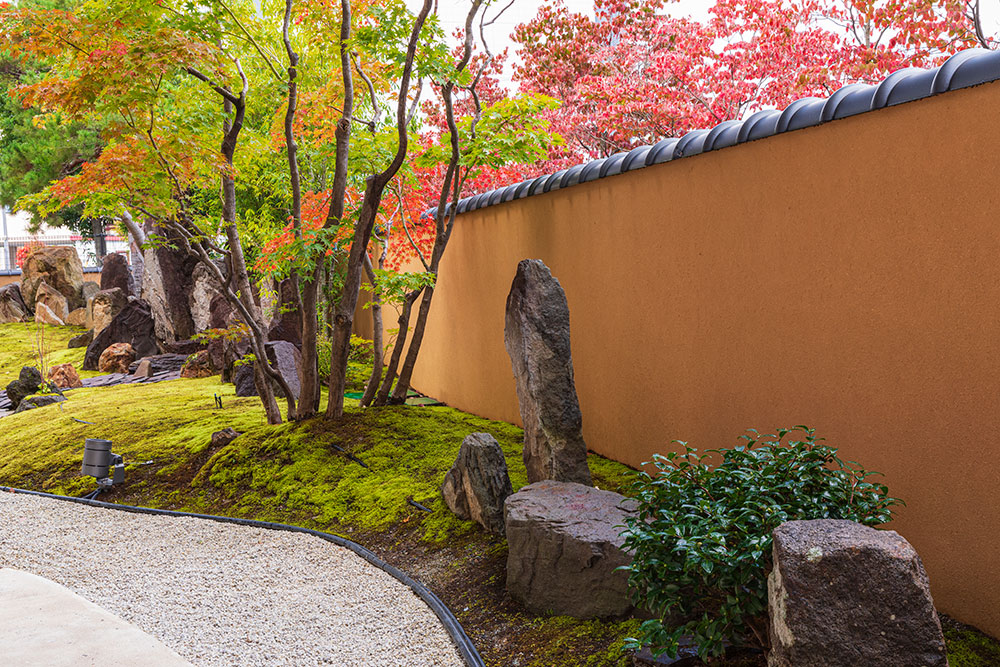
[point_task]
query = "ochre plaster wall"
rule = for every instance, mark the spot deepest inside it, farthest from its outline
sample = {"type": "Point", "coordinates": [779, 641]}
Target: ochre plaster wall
{"type": "Point", "coordinates": [845, 276]}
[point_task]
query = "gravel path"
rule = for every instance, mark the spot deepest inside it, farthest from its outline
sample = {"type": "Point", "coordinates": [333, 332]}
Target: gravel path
{"type": "Point", "coordinates": [223, 594]}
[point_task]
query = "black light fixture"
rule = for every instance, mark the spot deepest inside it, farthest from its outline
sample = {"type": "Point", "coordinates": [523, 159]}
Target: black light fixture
{"type": "Point", "coordinates": [100, 463]}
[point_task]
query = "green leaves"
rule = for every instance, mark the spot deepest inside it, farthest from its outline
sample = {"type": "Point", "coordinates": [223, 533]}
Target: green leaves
{"type": "Point", "coordinates": [701, 539]}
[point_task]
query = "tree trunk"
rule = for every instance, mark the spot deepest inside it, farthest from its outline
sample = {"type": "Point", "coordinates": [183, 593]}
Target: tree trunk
{"type": "Point", "coordinates": [377, 352]}
{"type": "Point", "coordinates": [406, 372]}
{"type": "Point", "coordinates": [382, 398]}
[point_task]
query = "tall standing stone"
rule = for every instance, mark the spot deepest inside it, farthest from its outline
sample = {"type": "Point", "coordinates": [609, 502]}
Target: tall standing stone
{"type": "Point", "coordinates": [166, 285]}
{"type": "Point", "coordinates": [537, 339]}
{"type": "Point", "coordinates": [845, 594]}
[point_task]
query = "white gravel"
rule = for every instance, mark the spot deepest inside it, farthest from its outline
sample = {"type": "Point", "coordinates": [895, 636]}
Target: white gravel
{"type": "Point", "coordinates": [222, 594]}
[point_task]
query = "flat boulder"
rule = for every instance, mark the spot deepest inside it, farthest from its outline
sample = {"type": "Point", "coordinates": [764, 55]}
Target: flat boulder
{"type": "Point", "coordinates": [64, 376]}
{"type": "Point", "coordinates": [841, 593]}
{"type": "Point", "coordinates": [57, 266]}
{"type": "Point", "coordinates": [565, 546]}
{"type": "Point", "coordinates": [115, 273]}
{"type": "Point", "coordinates": [27, 383]}
{"type": "Point", "coordinates": [536, 335]}
{"type": "Point", "coordinates": [81, 340]}
{"type": "Point", "coordinates": [159, 363]}
{"type": "Point", "coordinates": [116, 358]}
{"type": "Point", "coordinates": [38, 401]}
{"type": "Point", "coordinates": [478, 483]}
{"type": "Point", "coordinates": [104, 306]}
{"type": "Point", "coordinates": [46, 295]}
{"type": "Point", "coordinates": [133, 325]}
{"type": "Point", "coordinates": [12, 307]}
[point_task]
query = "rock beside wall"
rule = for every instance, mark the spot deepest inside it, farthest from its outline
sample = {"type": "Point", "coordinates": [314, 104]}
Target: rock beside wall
{"type": "Point", "coordinates": [536, 335]}
{"type": "Point", "coordinates": [844, 594]}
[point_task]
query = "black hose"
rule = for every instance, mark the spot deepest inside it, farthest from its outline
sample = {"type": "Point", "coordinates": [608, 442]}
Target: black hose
{"type": "Point", "coordinates": [461, 640]}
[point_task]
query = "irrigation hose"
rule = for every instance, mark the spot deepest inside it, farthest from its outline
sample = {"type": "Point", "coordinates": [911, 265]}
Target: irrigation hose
{"type": "Point", "coordinates": [461, 640]}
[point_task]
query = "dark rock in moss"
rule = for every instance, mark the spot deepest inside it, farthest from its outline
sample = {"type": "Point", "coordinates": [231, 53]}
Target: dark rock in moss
{"type": "Point", "coordinates": [82, 340]}
{"type": "Point", "coordinates": [478, 483]}
{"type": "Point", "coordinates": [38, 401]}
{"type": "Point", "coordinates": [243, 379]}
{"type": "Point", "coordinates": [224, 437]}
{"type": "Point", "coordinates": [27, 383]}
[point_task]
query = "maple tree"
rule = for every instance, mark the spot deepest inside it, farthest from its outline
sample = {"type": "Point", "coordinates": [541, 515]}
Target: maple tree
{"type": "Point", "coordinates": [632, 74]}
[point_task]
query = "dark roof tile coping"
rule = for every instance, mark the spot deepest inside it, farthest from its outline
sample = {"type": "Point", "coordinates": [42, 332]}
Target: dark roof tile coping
{"type": "Point", "coordinates": [962, 70]}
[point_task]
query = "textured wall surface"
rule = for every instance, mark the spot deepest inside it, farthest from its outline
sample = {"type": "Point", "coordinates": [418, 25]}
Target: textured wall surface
{"type": "Point", "coordinates": [843, 276]}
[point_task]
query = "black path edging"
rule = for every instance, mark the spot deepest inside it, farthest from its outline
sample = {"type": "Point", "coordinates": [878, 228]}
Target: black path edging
{"type": "Point", "coordinates": [461, 640]}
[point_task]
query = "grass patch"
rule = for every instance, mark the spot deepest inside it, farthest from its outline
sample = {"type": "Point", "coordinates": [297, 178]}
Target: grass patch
{"type": "Point", "coordinates": [17, 341]}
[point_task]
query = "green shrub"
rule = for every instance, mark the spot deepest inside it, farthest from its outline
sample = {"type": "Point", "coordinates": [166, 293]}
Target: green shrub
{"type": "Point", "coordinates": [702, 536]}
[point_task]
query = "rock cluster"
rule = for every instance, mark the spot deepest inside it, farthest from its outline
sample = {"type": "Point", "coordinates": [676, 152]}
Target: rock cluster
{"type": "Point", "coordinates": [28, 382]}
{"type": "Point", "coordinates": [133, 325]}
{"type": "Point", "coordinates": [537, 338]}
{"type": "Point", "coordinates": [59, 268]}
{"type": "Point", "coordinates": [565, 546]}
{"type": "Point", "coordinates": [844, 594]}
{"type": "Point", "coordinates": [478, 483]}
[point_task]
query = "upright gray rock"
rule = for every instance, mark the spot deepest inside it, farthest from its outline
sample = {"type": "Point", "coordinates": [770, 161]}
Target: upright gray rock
{"type": "Point", "coordinates": [536, 335]}
{"type": "Point", "coordinates": [204, 288]}
{"type": "Point", "coordinates": [565, 546]}
{"type": "Point", "coordinates": [166, 284]}
{"type": "Point", "coordinates": [287, 360]}
{"type": "Point", "coordinates": [844, 594]}
{"type": "Point", "coordinates": [478, 483]}
{"type": "Point", "coordinates": [59, 267]}
{"type": "Point", "coordinates": [115, 272]}
{"type": "Point", "coordinates": [12, 307]}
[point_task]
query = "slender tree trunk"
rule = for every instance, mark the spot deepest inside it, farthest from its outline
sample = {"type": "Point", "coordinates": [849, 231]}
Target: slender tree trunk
{"type": "Point", "coordinates": [377, 352]}
{"type": "Point", "coordinates": [382, 398]}
{"type": "Point", "coordinates": [406, 372]}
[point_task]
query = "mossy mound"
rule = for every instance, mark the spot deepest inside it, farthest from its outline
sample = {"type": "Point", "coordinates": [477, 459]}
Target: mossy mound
{"type": "Point", "coordinates": [18, 342]}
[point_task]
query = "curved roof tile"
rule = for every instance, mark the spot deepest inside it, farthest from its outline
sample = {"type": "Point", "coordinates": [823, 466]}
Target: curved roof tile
{"type": "Point", "coordinates": [966, 68]}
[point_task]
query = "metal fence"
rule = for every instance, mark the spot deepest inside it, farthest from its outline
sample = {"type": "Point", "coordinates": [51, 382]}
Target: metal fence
{"type": "Point", "coordinates": [90, 250]}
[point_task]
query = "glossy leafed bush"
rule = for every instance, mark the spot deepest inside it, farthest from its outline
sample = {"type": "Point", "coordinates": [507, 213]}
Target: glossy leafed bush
{"type": "Point", "coordinates": [701, 538]}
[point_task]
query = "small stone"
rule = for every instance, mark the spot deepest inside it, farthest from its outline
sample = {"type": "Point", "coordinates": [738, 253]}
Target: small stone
{"type": "Point", "coordinates": [64, 376]}
{"type": "Point", "coordinates": [224, 437]}
{"type": "Point", "coordinates": [116, 358]}
{"type": "Point", "coordinates": [841, 593]}
{"type": "Point", "coordinates": [144, 369]}
{"type": "Point", "coordinates": [478, 483]}
{"type": "Point", "coordinates": [81, 340]}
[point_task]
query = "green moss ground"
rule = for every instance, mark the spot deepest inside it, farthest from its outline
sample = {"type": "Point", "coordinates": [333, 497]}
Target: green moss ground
{"type": "Point", "coordinates": [303, 474]}
{"type": "Point", "coordinates": [17, 342]}
{"type": "Point", "coordinates": [297, 473]}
